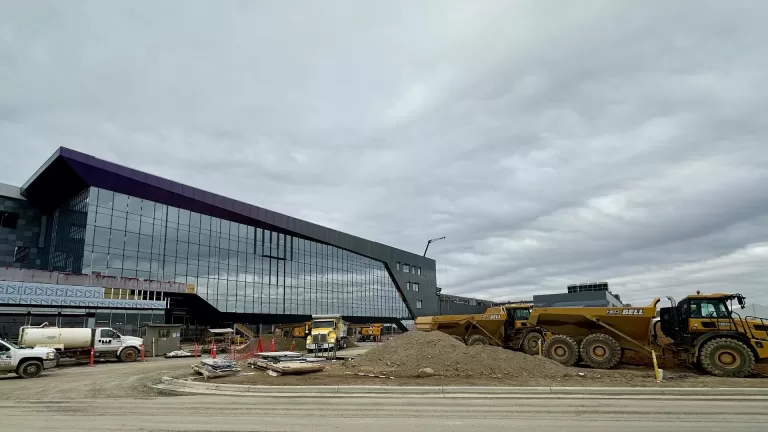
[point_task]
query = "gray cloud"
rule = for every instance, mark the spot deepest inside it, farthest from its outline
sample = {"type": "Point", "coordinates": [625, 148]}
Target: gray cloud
{"type": "Point", "coordinates": [551, 142]}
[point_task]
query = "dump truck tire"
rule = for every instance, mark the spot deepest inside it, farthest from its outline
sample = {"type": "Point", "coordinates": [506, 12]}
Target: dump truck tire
{"type": "Point", "coordinates": [477, 340]}
{"type": "Point", "coordinates": [562, 349]}
{"type": "Point", "coordinates": [600, 351]}
{"type": "Point", "coordinates": [530, 343]}
{"type": "Point", "coordinates": [724, 357]}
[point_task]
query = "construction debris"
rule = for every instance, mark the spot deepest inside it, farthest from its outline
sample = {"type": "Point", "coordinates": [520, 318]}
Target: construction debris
{"type": "Point", "coordinates": [178, 354]}
{"type": "Point", "coordinates": [407, 354]}
{"type": "Point", "coordinates": [214, 368]}
{"type": "Point", "coordinates": [286, 362]}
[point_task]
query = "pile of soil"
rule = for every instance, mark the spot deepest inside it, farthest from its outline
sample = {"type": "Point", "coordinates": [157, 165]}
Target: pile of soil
{"type": "Point", "coordinates": [406, 354]}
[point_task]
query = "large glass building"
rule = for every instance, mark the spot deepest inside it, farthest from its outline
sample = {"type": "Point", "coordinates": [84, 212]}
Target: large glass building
{"type": "Point", "coordinates": [239, 263]}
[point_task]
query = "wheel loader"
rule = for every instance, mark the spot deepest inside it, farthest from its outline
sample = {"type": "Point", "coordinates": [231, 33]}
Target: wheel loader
{"type": "Point", "coordinates": [505, 326]}
{"type": "Point", "coordinates": [701, 330]}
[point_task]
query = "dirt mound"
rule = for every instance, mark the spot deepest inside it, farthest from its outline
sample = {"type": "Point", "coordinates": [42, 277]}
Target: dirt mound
{"type": "Point", "coordinates": [406, 354]}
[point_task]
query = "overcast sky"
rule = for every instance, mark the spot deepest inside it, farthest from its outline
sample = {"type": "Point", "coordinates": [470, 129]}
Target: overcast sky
{"type": "Point", "coordinates": [552, 142]}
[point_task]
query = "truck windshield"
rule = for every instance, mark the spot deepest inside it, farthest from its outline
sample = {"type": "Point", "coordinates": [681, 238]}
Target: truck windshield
{"type": "Point", "coordinates": [324, 324]}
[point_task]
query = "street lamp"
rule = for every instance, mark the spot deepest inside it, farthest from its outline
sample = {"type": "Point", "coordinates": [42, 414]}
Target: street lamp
{"type": "Point", "coordinates": [430, 242]}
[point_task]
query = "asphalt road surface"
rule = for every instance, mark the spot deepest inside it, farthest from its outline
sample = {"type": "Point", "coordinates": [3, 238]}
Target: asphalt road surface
{"type": "Point", "coordinates": [376, 414]}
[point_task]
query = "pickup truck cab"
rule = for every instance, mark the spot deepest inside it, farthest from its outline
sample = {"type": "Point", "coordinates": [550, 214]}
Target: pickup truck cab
{"type": "Point", "coordinates": [25, 362]}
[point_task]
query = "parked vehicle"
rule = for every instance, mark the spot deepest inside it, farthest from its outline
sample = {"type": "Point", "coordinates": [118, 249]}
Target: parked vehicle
{"type": "Point", "coordinates": [505, 326]}
{"type": "Point", "coordinates": [25, 362]}
{"type": "Point", "coordinates": [328, 332]}
{"type": "Point", "coordinates": [701, 330]}
{"type": "Point", "coordinates": [77, 342]}
{"type": "Point", "coordinates": [371, 332]}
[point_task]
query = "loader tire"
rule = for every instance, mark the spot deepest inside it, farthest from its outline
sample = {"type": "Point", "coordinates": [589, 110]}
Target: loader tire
{"type": "Point", "coordinates": [531, 342]}
{"type": "Point", "coordinates": [600, 351]}
{"type": "Point", "coordinates": [724, 357]}
{"type": "Point", "coordinates": [562, 349]}
{"type": "Point", "coordinates": [478, 340]}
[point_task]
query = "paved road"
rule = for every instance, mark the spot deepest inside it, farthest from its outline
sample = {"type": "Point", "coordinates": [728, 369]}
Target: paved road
{"type": "Point", "coordinates": [207, 413]}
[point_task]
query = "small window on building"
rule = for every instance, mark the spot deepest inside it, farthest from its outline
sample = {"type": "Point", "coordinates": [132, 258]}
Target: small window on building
{"type": "Point", "coordinates": [418, 271]}
{"type": "Point", "coordinates": [9, 220]}
{"type": "Point", "coordinates": [418, 304]}
{"type": "Point", "coordinates": [21, 255]}
{"type": "Point", "coordinates": [398, 266]}
{"type": "Point", "coordinates": [415, 286]}
{"type": "Point", "coordinates": [406, 268]}
{"type": "Point", "coordinates": [408, 286]}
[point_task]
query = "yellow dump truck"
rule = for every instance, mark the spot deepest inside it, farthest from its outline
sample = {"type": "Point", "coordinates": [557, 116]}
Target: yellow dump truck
{"type": "Point", "coordinates": [329, 332]}
{"type": "Point", "coordinates": [505, 326]}
{"type": "Point", "coordinates": [702, 330]}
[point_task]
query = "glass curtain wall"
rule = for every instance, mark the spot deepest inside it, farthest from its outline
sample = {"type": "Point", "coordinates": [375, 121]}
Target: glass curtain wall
{"type": "Point", "coordinates": [235, 267]}
{"type": "Point", "coordinates": [68, 234]}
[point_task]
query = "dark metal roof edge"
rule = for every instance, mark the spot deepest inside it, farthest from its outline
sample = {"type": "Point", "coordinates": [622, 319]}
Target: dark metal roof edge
{"type": "Point", "coordinates": [221, 201]}
{"type": "Point", "coordinates": [41, 169]}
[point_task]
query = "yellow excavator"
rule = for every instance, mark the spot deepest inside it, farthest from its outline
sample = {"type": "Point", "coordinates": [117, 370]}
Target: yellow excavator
{"type": "Point", "coordinates": [702, 330]}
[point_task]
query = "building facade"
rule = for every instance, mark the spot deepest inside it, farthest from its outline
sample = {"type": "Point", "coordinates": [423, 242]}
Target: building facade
{"type": "Point", "coordinates": [240, 263]}
{"type": "Point", "coordinates": [581, 295]}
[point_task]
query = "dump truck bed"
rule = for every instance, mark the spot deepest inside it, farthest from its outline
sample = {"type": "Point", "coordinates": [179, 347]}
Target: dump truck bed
{"type": "Point", "coordinates": [629, 325]}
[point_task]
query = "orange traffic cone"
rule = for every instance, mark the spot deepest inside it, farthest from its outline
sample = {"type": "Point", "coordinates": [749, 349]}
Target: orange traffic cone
{"type": "Point", "coordinates": [272, 345]}
{"type": "Point", "coordinates": [259, 348]}
{"type": "Point", "coordinates": [293, 345]}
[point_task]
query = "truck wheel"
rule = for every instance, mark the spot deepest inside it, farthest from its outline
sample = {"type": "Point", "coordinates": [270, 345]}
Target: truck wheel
{"type": "Point", "coordinates": [531, 342]}
{"type": "Point", "coordinates": [562, 349]}
{"type": "Point", "coordinates": [129, 354]}
{"type": "Point", "coordinates": [726, 358]}
{"type": "Point", "coordinates": [600, 351]}
{"type": "Point", "coordinates": [478, 340]}
{"type": "Point", "coordinates": [30, 369]}
{"type": "Point", "coordinates": [343, 344]}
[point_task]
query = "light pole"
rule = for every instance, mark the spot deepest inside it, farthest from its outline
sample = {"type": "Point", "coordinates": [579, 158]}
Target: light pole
{"type": "Point", "coordinates": [439, 305]}
{"type": "Point", "coordinates": [430, 242]}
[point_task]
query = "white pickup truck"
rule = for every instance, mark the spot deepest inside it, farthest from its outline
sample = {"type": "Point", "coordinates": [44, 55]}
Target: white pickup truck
{"type": "Point", "coordinates": [77, 342]}
{"type": "Point", "coordinates": [26, 362]}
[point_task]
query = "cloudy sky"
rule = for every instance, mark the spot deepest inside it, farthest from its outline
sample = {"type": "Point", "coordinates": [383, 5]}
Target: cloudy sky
{"type": "Point", "coordinates": [552, 142]}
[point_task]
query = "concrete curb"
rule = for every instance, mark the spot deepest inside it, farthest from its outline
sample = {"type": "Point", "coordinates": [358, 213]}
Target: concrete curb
{"type": "Point", "coordinates": [194, 387]}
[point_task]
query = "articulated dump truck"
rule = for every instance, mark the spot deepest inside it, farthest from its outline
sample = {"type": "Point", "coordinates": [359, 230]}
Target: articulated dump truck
{"type": "Point", "coordinates": [505, 326]}
{"type": "Point", "coordinates": [701, 330]}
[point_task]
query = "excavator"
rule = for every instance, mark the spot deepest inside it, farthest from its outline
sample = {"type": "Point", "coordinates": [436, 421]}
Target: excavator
{"type": "Point", "coordinates": [702, 330]}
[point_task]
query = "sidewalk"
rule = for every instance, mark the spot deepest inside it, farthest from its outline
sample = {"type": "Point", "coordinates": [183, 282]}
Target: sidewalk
{"type": "Point", "coordinates": [175, 386]}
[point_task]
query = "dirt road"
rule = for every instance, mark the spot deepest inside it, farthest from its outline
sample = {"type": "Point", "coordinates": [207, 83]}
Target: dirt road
{"type": "Point", "coordinates": [207, 413]}
{"type": "Point", "coordinates": [104, 380]}
{"type": "Point", "coordinates": [132, 380]}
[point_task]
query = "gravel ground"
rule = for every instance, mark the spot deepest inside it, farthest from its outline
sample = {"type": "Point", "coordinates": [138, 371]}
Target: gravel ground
{"type": "Point", "coordinates": [132, 380]}
{"type": "Point", "coordinates": [104, 380]}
